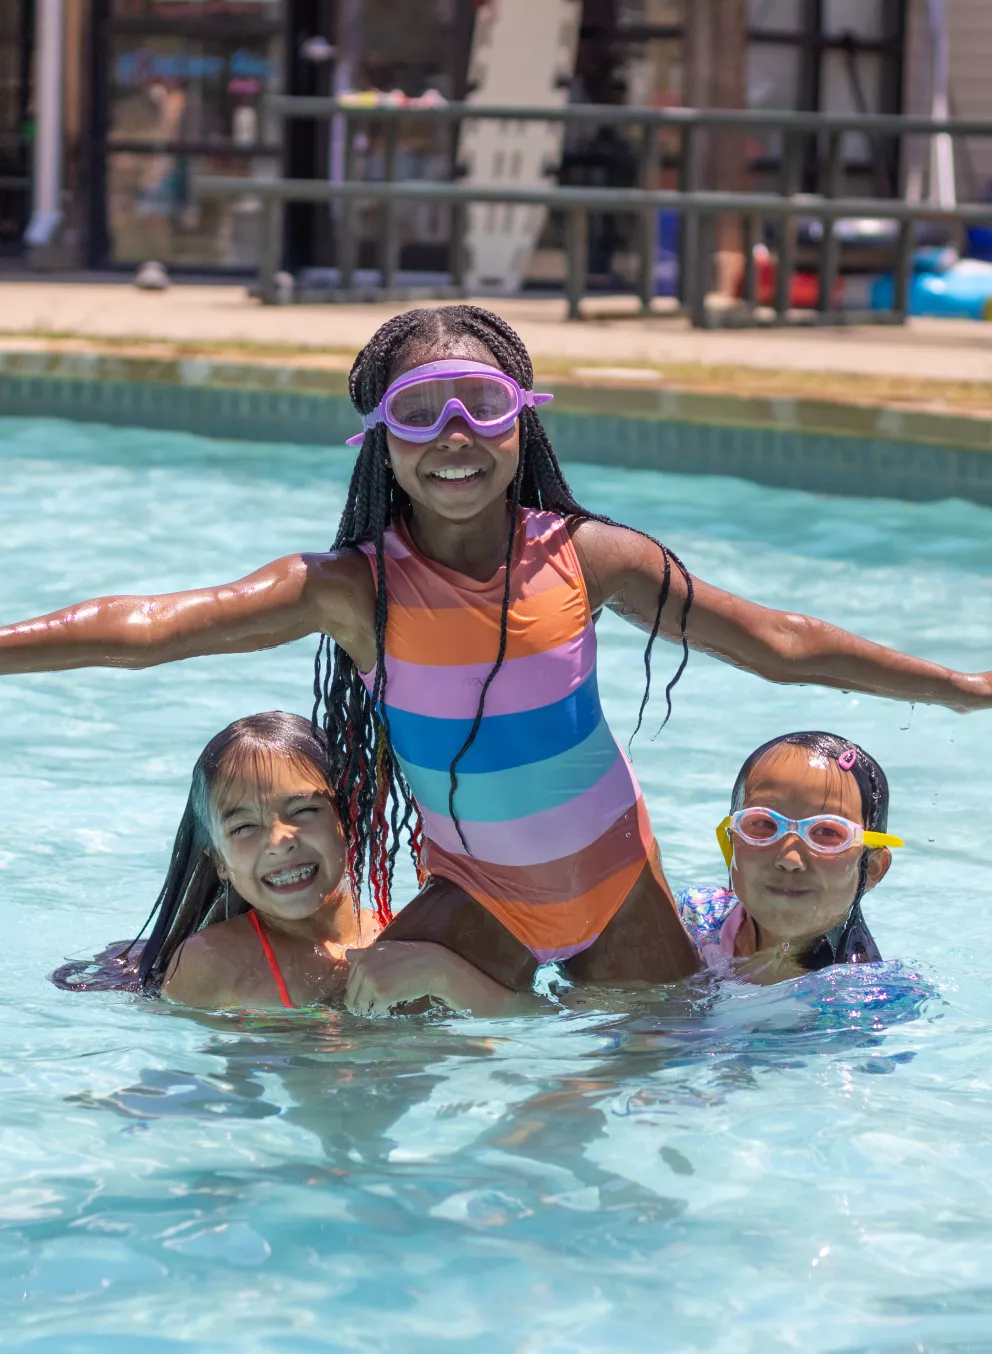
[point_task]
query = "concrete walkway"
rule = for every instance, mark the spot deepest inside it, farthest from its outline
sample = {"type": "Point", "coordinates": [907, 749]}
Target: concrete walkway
{"type": "Point", "coordinates": [613, 334]}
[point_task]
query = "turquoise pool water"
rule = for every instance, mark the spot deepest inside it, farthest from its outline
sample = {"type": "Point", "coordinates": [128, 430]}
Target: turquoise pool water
{"type": "Point", "coordinates": [800, 1168]}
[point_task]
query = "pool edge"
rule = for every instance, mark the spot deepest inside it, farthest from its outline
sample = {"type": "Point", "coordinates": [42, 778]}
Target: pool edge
{"type": "Point", "coordinates": [852, 450]}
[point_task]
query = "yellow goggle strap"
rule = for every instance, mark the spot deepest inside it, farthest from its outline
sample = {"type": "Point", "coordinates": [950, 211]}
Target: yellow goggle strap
{"type": "Point", "coordinates": [724, 841]}
{"type": "Point", "coordinates": [874, 839]}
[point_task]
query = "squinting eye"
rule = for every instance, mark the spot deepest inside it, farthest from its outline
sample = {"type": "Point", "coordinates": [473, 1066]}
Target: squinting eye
{"type": "Point", "coordinates": [241, 829]}
{"type": "Point", "coordinates": [828, 834]}
{"type": "Point", "coordinates": [759, 825]}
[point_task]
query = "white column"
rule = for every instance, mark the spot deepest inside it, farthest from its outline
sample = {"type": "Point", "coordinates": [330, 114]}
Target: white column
{"type": "Point", "coordinates": [942, 185]}
{"type": "Point", "coordinates": [49, 65]}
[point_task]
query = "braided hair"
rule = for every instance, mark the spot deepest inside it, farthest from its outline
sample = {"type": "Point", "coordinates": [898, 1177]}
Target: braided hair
{"type": "Point", "coordinates": [850, 942]}
{"type": "Point", "coordinates": [375, 802]}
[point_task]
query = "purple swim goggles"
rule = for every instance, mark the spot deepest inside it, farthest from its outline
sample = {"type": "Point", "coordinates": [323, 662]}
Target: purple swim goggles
{"type": "Point", "coordinates": [420, 403]}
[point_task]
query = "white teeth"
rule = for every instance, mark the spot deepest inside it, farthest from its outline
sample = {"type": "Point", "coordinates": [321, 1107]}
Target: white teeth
{"type": "Point", "coordinates": [293, 876]}
{"type": "Point", "coordinates": [460, 472]}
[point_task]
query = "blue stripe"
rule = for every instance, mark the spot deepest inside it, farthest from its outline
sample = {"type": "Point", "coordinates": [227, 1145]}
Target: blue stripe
{"type": "Point", "coordinates": [503, 740]}
{"type": "Point", "coordinates": [496, 796]}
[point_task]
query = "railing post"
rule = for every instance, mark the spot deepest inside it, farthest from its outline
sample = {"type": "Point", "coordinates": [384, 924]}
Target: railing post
{"type": "Point", "coordinates": [577, 245]}
{"type": "Point", "coordinates": [390, 241]}
{"type": "Point", "coordinates": [903, 271]}
{"type": "Point", "coordinates": [647, 229]}
{"type": "Point", "coordinates": [457, 250]}
{"type": "Point", "coordinates": [829, 244]}
{"type": "Point", "coordinates": [751, 227]}
{"type": "Point", "coordinates": [703, 269]}
{"type": "Point", "coordinates": [787, 232]}
{"type": "Point", "coordinates": [688, 178]}
{"type": "Point", "coordinates": [647, 224]}
{"type": "Point", "coordinates": [270, 250]}
{"type": "Point", "coordinates": [346, 215]}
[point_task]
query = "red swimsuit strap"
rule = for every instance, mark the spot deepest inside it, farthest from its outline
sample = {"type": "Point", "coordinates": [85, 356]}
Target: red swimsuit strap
{"type": "Point", "coordinates": [269, 953]}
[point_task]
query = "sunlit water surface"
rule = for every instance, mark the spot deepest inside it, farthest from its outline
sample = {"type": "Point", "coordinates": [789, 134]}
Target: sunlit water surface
{"type": "Point", "coordinates": [799, 1168]}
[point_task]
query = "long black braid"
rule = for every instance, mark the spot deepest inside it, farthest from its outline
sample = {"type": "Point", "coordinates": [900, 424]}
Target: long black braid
{"type": "Point", "coordinates": [374, 798]}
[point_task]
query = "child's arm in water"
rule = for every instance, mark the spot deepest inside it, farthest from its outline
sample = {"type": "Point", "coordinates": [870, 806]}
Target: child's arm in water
{"type": "Point", "coordinates": [292, 597]}
{"type": "Point", "coordinates": [392, 973]}
{"type": "Point", "coordinates": [625, 571]}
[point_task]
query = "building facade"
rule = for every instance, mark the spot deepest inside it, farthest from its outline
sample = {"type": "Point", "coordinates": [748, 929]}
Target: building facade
{"type": "Point", "coordinates": [158, 91]}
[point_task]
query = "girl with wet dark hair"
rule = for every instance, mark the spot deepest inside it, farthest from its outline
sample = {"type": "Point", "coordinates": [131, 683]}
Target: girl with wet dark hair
{"type": "Point", "coordinates": [256, 910]}
{"type": "Point", "coordinates": [805, 839]}
{"type": "Point", "coordinates": [456, 673]}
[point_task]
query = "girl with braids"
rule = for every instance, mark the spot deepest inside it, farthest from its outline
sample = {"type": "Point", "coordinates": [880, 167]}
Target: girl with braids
{"type": "Point", "coordinates": [255, 910]}
{"type": "Point", "coordinates": [456, 676]}
{"type": "Point", "coordinates": [805, 839]}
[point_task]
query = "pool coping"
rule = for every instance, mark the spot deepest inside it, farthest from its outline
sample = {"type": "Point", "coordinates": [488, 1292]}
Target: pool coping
{"type": "Point", "coordinates": [823, 445]}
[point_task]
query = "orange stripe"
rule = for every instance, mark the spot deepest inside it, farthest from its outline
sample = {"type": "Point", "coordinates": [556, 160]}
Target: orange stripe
{"type": "Point", "coordinates": [410, 583]}
{"type": "Point", "coordinates": [562, 925]}
{"type": "Point", "coordinates": [458, 635]}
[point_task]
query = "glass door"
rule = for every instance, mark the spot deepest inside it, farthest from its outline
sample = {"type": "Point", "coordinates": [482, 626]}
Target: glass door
{"type": "Point", "coordinates": [179, 88]}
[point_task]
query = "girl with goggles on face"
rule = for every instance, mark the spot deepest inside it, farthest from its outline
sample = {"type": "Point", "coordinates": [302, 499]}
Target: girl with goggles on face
{"type": "Point", "coordinates": [456, 669]}
{"type": "Point", "coordinates": [805, 840]}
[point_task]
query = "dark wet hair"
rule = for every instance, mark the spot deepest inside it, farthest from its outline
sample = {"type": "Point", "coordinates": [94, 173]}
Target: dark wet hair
{"type": "Point", "coordinates": [378, 805]}
{"type": "Point", "coordinates": [850, 942]}
{"type": "Point", "coordinates": [193, 895]}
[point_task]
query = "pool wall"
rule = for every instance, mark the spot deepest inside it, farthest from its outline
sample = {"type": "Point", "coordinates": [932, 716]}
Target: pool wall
{"type": "Point", "coordinates": [821, 446]}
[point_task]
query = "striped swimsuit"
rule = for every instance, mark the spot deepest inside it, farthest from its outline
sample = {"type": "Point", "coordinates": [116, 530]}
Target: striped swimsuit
{"type": "Point", "coordinates": [547, 801]}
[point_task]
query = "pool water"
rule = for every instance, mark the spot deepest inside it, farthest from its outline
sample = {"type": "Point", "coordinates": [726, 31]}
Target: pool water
{"type": "Point", "coordinates": [798, 1168]}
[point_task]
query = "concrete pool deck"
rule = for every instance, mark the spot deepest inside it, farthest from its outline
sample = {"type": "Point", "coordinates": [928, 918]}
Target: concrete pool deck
{"type": "Point", "coordinates": [903, 413]}
{"type": "Point", "coordinates": [928, 364]}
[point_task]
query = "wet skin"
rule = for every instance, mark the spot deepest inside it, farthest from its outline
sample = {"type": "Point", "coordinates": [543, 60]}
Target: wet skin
{"type": "Point", "coordinates": [791, 893]}
{"type": "Point", "coordinates": [333, 594]}
{"type": "Point", "coordinates": [464, 527]}
{"type": "Point", "coordinates": [278, 844]}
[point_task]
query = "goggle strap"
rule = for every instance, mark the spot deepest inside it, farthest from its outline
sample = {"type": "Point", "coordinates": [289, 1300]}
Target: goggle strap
{"type": "Point", "coordinates": [875, 839]}
{"type": "Point", "coordinates": [724, 842]}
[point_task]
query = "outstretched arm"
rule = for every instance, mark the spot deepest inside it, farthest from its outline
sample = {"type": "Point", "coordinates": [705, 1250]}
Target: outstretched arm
{"type": "Point", "coordinates": [292, 597]}
{"type": "Point", "coordinates": [625, 571]}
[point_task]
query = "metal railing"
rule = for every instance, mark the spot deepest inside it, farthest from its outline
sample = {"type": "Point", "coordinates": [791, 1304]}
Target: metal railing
{"type": "Point", "coordinates": [698, 208]}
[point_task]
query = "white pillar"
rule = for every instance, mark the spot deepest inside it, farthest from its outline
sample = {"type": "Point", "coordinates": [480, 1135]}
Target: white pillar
{"type": "Point", "coordinates": [943, 190]}
{"type": "Point", "coordinates": [46, 213]}
{"type": "Point", "coordinates": [346, 64]}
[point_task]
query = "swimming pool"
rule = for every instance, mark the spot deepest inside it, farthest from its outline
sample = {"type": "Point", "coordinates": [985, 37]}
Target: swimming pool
{"type": "Point", "coordinates": [795, 1168]}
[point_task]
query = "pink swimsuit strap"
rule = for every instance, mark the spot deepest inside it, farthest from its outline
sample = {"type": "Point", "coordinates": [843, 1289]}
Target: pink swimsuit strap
{"type": "Point", "coordinates": [270, 955]}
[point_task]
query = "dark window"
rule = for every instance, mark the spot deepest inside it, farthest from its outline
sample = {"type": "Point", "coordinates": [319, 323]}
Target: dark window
{"type": "Point", "coordinates": [16, 40]}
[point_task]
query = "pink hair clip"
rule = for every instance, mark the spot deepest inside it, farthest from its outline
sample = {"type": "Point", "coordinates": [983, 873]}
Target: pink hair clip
{"type": "Point", "coordinates": [847, 759]}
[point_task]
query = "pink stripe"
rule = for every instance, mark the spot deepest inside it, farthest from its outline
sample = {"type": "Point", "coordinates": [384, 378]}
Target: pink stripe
{"type": "Point", "coordinates": [521, 683]}
{"type": "Point", "coordinates": [537, 524]}
{"type": "Point", "coordinates": [392, 546]}
{"type": "Point", "coordinates": [549, 835]}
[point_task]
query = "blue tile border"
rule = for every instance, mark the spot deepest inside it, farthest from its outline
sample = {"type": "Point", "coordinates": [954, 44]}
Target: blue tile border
{"type": "Point", "coordinates": [856, 466]}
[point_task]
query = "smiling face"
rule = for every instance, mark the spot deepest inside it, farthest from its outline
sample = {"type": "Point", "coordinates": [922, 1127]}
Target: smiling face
{"type": "Point", "coordinates": [277, 837]}
{"type": "Point", "coordinates": [459, 474]}
{"type": "Point", "coordinates": [790, 892]}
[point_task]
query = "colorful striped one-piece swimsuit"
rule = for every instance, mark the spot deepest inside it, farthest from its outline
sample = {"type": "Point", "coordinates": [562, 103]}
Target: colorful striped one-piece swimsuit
{"type": "Point", "coordinates": [547, 800]}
